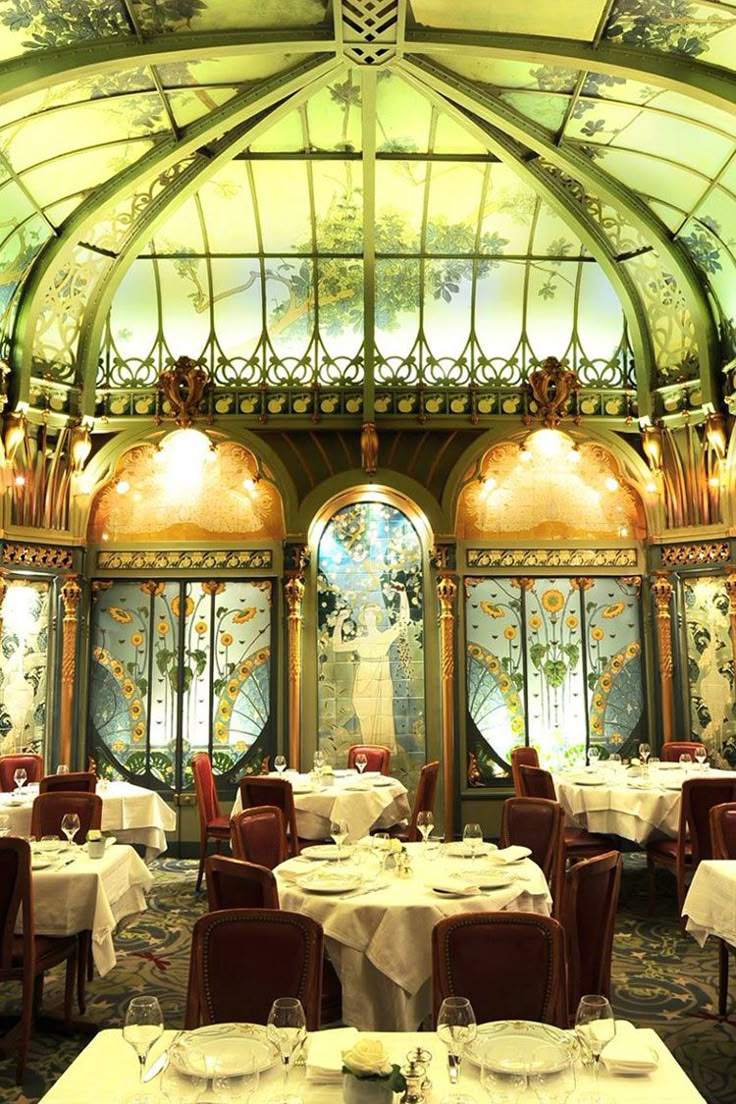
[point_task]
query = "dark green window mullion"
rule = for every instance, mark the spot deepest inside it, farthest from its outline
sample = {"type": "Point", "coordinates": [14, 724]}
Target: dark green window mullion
{"type": "Point", "coordinates": [179, 735]}
{"type": "Point", "coordinates": [524, 664]}
{"type": "Point", "coordinates": [211, 339]}
{"type": "Point", "coordinates": [584, 651]}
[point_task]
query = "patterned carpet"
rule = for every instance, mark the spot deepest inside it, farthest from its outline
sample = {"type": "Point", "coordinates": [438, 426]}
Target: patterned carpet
{"type": "Point", "coordinates": [661, 979]}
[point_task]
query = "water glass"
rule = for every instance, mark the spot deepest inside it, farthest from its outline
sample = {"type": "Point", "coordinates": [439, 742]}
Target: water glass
{"type": "Point", "coordinates": [504, 1086]}
{"type": "Point", "coordinates": [594, 754]}
{"type": "Point", "coordinates": [62, 768]}
{"type": "Point", "coordinates": [318, 760]}
{"type": "Point", "coordinates": [596, 1026]}
{"type": "Point", "coordinates": [701, 755]}
{"type": "Point", "coordinates": [70, 826]}
{"type": "Point", "coordinates": [287, 1029]}
{"type": "Point", "coordinates": [235, 1089]}
{"type": "Point", "coordinates": [552, 1075]}
{"type": "Point", "coordinates": [361, 761]}
{"type": "Point", "coordinates": [144, 1024]}
{"type": "Point", "coordinates": [180, 1088]}
{"type": "Point", "coordinates": [456, 1027]}
{"type": "Point", "coordinates": [280, 764]}
{"type": "Point", "coordinates": [20, 777]}
{"type": "Point", "coordinates": [644, 752]}
{"type": "Point", "coordinates": [425, 824]}
{"type": "Point", "coordinates": [472, 838]}
{"type": "Point", "coordinates": [339, 833]}
{"type": "Point", "coordinates": [685, 761]}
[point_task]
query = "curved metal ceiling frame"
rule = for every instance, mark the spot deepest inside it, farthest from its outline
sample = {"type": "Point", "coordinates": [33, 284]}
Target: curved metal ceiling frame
{"type": "Point", "coordinates": [163, 156]}
{"type": "Point", "coordinates": [467, 96]}
{"type": "Point", "coordinates": [572, 213]}
{"type": "Point", "coordinates": [186, 184]}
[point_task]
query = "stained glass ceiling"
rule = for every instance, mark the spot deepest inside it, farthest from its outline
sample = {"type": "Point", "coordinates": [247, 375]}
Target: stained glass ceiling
{"type": "Point", "coordinates": [367, 197]}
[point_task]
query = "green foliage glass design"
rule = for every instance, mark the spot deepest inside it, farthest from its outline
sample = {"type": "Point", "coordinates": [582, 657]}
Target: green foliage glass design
{"type": "Point", "coordinates": [672, 26]}
{"type": "Point", "coordinates": [370, 644]}
{"type": "Point", "coordinates": [23, 664]}
{"type": "Point", "coordinates": [710, 667]}
{"type": "Point", "coordinates": [48, 24]}
{"type": "Point", "coordinates": [179, 668]}
{"type": "Point", "coordinates": [556, 664]}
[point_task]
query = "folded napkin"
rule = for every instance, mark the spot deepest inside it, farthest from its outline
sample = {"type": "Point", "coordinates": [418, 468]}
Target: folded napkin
{"type": "Point", "coordinates": [629, 1051]}
{"type": "Point", "coordinates": [324, 1061]}
{"type": "Point", "coordinates": [453, 885]}
{"type": "Point", "coordinates": [509, 854]}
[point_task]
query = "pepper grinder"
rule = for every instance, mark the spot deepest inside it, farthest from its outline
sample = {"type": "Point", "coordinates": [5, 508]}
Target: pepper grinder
{"type": "Point", "coordinates": [414, 1073]}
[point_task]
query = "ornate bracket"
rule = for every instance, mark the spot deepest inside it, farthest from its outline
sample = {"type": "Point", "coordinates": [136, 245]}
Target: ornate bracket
{"type": "Point", "coordinates": [183, 386]}
{"type": "Point", "coordinates": [369, 448]}
{"type": "Point", "coordinates": [551, 387]}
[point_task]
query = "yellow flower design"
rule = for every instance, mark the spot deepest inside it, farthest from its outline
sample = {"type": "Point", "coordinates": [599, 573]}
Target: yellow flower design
{"type": "Point", "coordinates": [118, 745]}
{"type": "Point", "coordinates": [535, 622]}
{"type": "Point", "coordinates": [225, 709]}
{"type": "Point", "coordinates": [597, 633]}
{"type": "Point", "coordinates": [162, 628]}
{"type": "Point", "coordinates": [128, 688]}
{"type": "Point", "coordinates": [616, 664]}
{"type": "Point", "coordinates": [139, 731]}
{"type": "Point", "coordinates": [475, 651]}
{"type": "Point", "coordinates": [240, 746]}
{"type": "Point", "coordinates": [509, 632]}
{"type": "Point", "coordinates": [504, 683]}
{"type": "Point", "coordinates": [220, 732]}
{"type": "Point", "coordinates": [262, 656]}
{"type": "Point", "coordinates": [517, 724]}
{"type": "Point", "coordinates": [232, 688]}
{"type": "Point", "coordinates": [553, 600]}
{"type": "Point", "coordinates": [245, 615]}
{"type": "Point", "coordinates": [614, 610]}
{"type": "Point", "coordinates": [136, 639]}
{"type": "Point", "coordinates": [598, 702]}
{"type": "Point", "coordinates": [491, 610]}
{"type": "Point", "coordinates": [571, 621]}
{"type": "Point", "coordinates": [226, 639]}
{"type": "Point", "coordinates": [200, 627]}
{"type": "Point", "coordinates": [117, 668]}
{"type": "Point", "coordinates": [176, 606]}
{"type": "Point", "coordinates": [512, 701]}
{"type": "Point", "coordinates": [617, 738]}
{"type": "Point", "coordinates": [136, 709]}
{"type": "Point", "coordinates": [606, 683]}
{"type": "Point", "coordinates": [123, 616]}
{"type": "Point", "coordinates": [245, 668]}
{"type": "Point", "coordinates": [596, 724]}
{"type": "Point", "coordinates": [493, 665]}
{"type": "Point", "coordinates": [632, 649]}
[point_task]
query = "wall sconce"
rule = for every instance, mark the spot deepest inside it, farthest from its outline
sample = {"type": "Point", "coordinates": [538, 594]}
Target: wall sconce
{"type": "Point", "coordinates": [715, 434]}
{"type": "Point", "coordinates": [14, 432]}
{"type": "Point", "coordinates": [80, 447]}
{"type": "Point", "coordinates": [651, 439]}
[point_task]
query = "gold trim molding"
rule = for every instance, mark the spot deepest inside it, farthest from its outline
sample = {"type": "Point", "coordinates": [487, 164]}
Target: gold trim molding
{"type": "Point", "coordinates": [199, 560]}
{"type": "Point", "coordinates": [37, 555]}
{"type": "Point", "coordinates": [551, 557]}
{"type": "Point", "coordinates": [704, 552]}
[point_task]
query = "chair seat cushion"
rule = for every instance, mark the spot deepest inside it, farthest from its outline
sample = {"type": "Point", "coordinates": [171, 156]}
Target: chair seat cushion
{"type": "Point", "coordinates": [666, 851]}
{"type": "Point", "coordinates": [48, 947]}
{"type": "Point", "coordinates": [219, 824]}
{"type": "Point", "coordinates": [578, 839]}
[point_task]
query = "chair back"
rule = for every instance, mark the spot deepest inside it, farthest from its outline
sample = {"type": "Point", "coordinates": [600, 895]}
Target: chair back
{"type": "Point", "coordinates": [208, 804]}
{"type": "Point", "coordinates": [588, 917]}
{"type": "Point", "coordinates": [243, 959]}
{"type": "Point", "coordinates": [258, 835]}
{"type": "Point", "coordinates": [699, 795]}
{"type": "Point", "coordinates": [536, 782]}
{"type": "Point", "coordinates": [539, 824]}
{"type": "Point", "coordinates": [272, 791]}
{"type": "Point", "coordinates": [50, 808]}
{"type": "Point", "coordinates": [522, 756]}
{"type": "Point", "coordinates": [723, 830]}
{"type": "Point", "coordinates": [15, 895]}
{"type": "Point", "coordinates": [234, 884]}
{"type": "Point", "coordinates": [378, 758]}
{"type": "Point", "coordinates": [9, 764]}
{"type": "Point", "coordinates": [510, 965]}
{"type": "Point", "coordinates": [424, 797]}
{"type": "Point", "coordinates": [78, 781]}
{"type": "Point", "coordinates": [673, 749]}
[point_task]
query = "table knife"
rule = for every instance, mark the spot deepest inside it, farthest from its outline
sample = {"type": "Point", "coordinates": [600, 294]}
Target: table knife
{"type": "Point", "coordinates": [158, 1066]}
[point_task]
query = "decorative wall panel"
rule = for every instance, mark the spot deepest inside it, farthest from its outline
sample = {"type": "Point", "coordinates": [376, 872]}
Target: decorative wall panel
{"type": "Point", "coordinates": [709, 662]}
{"type": "Point", "coordinates": [24, 652]}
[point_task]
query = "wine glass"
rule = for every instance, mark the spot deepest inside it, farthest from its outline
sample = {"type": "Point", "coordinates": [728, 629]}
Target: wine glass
{"type": "Point", "coordinates": [287, 1029]}
{"type": "Point", "coordinates": [701, 755]}
{"type": "Point", "coordinates": [552, 1076]}
{"type": "Point", "coordinates": [425, 824]}
{"type": "Point", "coordinates": [319, 760]}
{"type": "Point", "coordinates": [503, 1085]}
{"type": "Point", "coordinates": [70, 826]}
{"type": "Point", "coordinates": [644, 752]}
{"type": "Point", "coordinates": [595, 1024]}
{"type": "Point", "coordinates": [472, 838]}
{"type": "Point", "coordinates": [4, 824]}
{"type": "Point", "coordinates": [339, 833]}
{"type": "Point", "coordinates": [280, 764]}
{"type": "Point", "coordinates": [685, 761]}
{"type": "Point", "coordinates": [235, 1088]}
{"type": "Point", "coordinates": [63, 768]}
{"type": "Point", "coordinates": [20, 777]}
{"type": "Point", "coordinates": [361, 761]}
{"type": "Point", "coordinates": [144, 1024]}
{"type": "Point", "coordinates": [594, 754]}
{"type": "Point", "coordinates": [181, 1088]}
{"type": "Point", "coordinates": [456, 1027]}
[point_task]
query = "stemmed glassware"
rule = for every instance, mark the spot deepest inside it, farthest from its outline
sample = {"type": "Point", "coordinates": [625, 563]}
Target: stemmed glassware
{"type": "Point", "coordinates": [339, 833]}
{"type": "Point", "coordinates": [280, 764]}
{"type": "Point", "coordinates": [701, 755]}
{"type": "Point", "coordinates": [181, 1088]}
{"type": "Point", "coordinates": [472, 838]}
{"type": "Point", "coordinates": [594, 754]}
{"type": "Point", "coordinates": [644, 752]}
{"type": "Point", "coordinates": [287, 1029]}
{"type": "Point", "coordinates": [361, 761]}
{"type": "Point", "coordinates": [553, 1077]}
{"type": "Point", "coordinates": [144, 1024]}
{"type": "Point", "coordinates": [234, 1088]}
{"type": "Point", "coordinates": [425, 824]}
{"type": "Point", "coordinates": [20, 777]}
{"type": "Point", "coordinates": [685, 761]}
{"type": "Point", "coordinates": [595, 1024]}
{"type": "Point", "coordinates": [70, 826]}
{"type": "Point", "coordinates": [319, 760]}
{"type": "Point", "coordinates": [456, 1027]}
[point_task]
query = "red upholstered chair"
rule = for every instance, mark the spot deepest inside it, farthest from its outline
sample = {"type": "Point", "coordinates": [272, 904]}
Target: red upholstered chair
{"type": "Point", "coordinates": [588, 917]}
{"type": "Point", "coordinates": [233, 883]}
{"type": "Point", "coordinates": [212, 825]}
{"type": "Point", "coordinates": [258, 835]}
{"type": "Point", "coordinates": [579, 844]}
{"type": "Point", "coordinates": [510, 965]}
{"type": "Point", "coordinates": [693, 842]}
{"type": "Point", "coordinates": [277, 792]}
{"type": "Point", "coordinates": [49, 808]}
{"type": "Point", "coordinates": [243, 959]}
{"type": "Point", "coordinates": [522, 756]}
{"type": "Point", "coordinates": [723, 841]}
{"type": "Point", "coordinates": [423, 803]}
{"type": "Point", "coordinates": [26, 957]}
{"type": "Point", "coordinates": [538, 824]}
{"type": "Point", "coordinates": [78, 781]}
{"type": "Point", "coordinates": [9, 764]}
{"type": "Point", "coordinates": [673, 749]}
{"type": "Point", "coordinates": [378, 758]}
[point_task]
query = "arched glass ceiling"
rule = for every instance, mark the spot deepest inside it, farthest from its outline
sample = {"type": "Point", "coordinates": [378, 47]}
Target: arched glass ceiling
{"type": "Point", "coordinates": [520, 180]}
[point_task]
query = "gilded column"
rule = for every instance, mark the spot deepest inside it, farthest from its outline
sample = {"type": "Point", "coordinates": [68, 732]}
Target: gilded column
{"type": "Point", "coordinates": [71, 592]}
{"type": "Point", "coordinates": [731, 591]}
{"type": "Point", "coordinates": [447, 594]}
{"type": "Point", "coordinates": [3, 592]}
{"type": "Point", "coordinates": [662, 591]}
{"type": "Point", "coordinates": [294, 592]}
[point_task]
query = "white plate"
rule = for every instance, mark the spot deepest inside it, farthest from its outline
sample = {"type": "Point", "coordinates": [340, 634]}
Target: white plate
{"type": "Point", "coordinates": [498, 859]}
{"type": "Point", "coordinates": [301, 788]}
{"type": "Point", "coordinates": [455, 892]}
{"type": "Point", "coordinates": [486, 882]}
{"type": "Point", "coordinates": [324, 851]}
{"type": "Point", "coordinates": [327, 882]}
{"type": "Point", "coordinates": [110, 840]}
{"type": "Point", "coordinates": [382, 781]}
{"type": "Point", "coordinates": [39, 863]}
{"type": "Point", "coordinates": [513, 1030]}
{"type": "Point", "coordinates": [586, 780]}
{"type": "Point", "coordinates": [14, 802]}
{"type": "Point", "coordinates": [235, 1048]}
{"type": "Point", "coordinates": [462, 850]}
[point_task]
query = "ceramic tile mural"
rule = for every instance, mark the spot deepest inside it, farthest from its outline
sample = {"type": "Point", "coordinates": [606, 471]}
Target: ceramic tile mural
{"type": "Point", "coordinates": [370, 648]}
{"type": "Point", "coordinates": [179, 668]}
{"type": "Point", "coordinates": [551, 662]}
{"type": "Point", "coordinates": [709, 663]}
{"type": "Point", "coordinates": [24, 651]}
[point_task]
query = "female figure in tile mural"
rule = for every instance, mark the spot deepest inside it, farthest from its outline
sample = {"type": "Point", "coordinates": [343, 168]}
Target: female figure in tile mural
{"type": "Point", "coordinates": [373, 689]}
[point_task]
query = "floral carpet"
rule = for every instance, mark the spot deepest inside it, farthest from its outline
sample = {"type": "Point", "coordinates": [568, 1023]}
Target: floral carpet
{"type": "Point", "coordinates": [661, 979]}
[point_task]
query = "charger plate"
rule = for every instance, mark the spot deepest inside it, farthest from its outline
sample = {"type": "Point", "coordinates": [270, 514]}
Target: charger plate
{"type": "Point", "coordinates": [233, 1048]}
{"type": "Point", "coordinates": [519, 1035]}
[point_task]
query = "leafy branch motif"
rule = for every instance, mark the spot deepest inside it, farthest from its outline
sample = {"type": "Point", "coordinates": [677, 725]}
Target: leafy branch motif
{"type": "Point", "coordinates": [670, 25]}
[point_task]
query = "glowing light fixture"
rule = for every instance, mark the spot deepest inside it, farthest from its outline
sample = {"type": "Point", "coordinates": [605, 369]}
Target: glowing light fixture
{"type": "Point", "coordinates": [612, 484]}
{"type": "Point", "coordinates": [20, 481]}
{"type": "Point", "coordinates": [122, 486]}
{"type": "Point", "coordinates": [714, 481]}
{"type": "Point", "coordinates": [651, 487]}
{"type": "Point", "coordinates": [182, 456]}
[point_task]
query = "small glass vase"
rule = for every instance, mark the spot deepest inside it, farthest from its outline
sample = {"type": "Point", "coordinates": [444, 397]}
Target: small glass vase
{"type": "Point", "coordinates": [364, 1090]}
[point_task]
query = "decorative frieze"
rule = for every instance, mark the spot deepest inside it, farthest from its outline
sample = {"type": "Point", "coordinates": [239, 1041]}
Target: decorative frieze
{"type": "Point", "coordinates": [551, 557]}
{"type": "Point", "coordinates": [38, 555]}
{"type": "Point", "coordinates": [701, 552]}
{"type": "Point", "coordinates": [204, 559]}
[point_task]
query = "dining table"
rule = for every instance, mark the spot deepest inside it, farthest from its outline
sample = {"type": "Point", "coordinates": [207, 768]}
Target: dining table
{"type": "Point", "coordinates": [378, 931]}
{"type": "Point", "coordinates": [73, 893]}
{"type": "Point", "coordinates": [710, 904]}
{"type": "Point", "coordinates": [370, 801]}
{"type": "Point", "coordinates": [133, 814]}
{"type": "Point", "coordinates": [107, 1069]}
{"type": "Point", "coordinates": [636, 805]}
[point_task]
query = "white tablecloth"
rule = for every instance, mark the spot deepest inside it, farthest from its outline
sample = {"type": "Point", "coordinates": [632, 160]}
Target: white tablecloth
{"type": "Point", "coordinates": [360, 802]}
{"type": "Point", "coordinates": [710, 905]}
{"type": "Point", "coordinates": [634, 808]}
{"type": "Point", "coordinates": [132, 814]}
{"type": "Point", "coordinates": [380, 942]}
{"type": "Point", "coordinates": [107, 1071]}
{"type": "Point", "coordinates": [92, 895]}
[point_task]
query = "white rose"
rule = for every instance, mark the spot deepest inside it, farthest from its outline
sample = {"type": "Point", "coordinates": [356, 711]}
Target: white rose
{"type": "Point", "coordinates": [635, 763]}
{"type": "Point", "coordinates": [367, 1057]}
{"type": "Point", "coordinates": [395, 846]}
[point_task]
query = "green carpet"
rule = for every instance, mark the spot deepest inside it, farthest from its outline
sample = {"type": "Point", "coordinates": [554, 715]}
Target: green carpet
{"type": "Point", "coordinates": [661, 979]}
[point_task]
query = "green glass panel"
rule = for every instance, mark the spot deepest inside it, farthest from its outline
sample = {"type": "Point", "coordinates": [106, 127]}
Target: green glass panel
{"type": "Point", "coordinates": [82, 171]}
{"type": "Point", "coordinates": [452, 213]}
{"type": "Point", "coordinates": [397, 313]}
{"type": "Point", "coordinates": [290, 299]}
{"type": "Point", "coordinates": [553, 237]}
{"type": "Point", "coordinates": [403, 117]}
{"type": "Point", "coordinates": [507, 213]}
{"type": "Point", "coordinates": [448, 286]}
{"type": "Point", "coordinates": [182, 232]}
{"type": "Point", "coordinates": [399, 200]}
{"type": "Point", "coordinates": [703, 31]}
{"type": "Point", "coordinates": [284, 207]}
{"type": "Point", "coordinates": [599, 323]}
{"type": "Point", "coordinates": [189, 104]}
{"type": "Point", "coordinates": [227, 210]}
{"type": "Point", "coordinates": [334, 116]}
{"type": "Point", "coordinates": [500, 309]}
{"type": "Point", "coordinates": [79, 90]}
{"type": "Point", "coordinates": [134, 314]}
{"type": "Point", "coordinates": [709, 664]}
{"type": "Point", "coordinates": [659, 179]}
{"type": "Point", "coordinates": [502, 74]}
{"type": "Point", "coordinates": [181, 16]}
{"type": "Point", "coordinates": [17, 254]}
{"type": "Point", "coordinates": [185, 296]}
{"type": "Point", "coordinates": [551, 308]}
{"type": "Point", "coordinates": [288, 135]}
{"type": "Point", "coordinates": [16, 207]}
{"type": "Point", "coordinates": [450, 137]}
{"type": "Point", "coordinates": [25, 662]}
{"type": "Point", "coordinates": [340, 301]}
{"type": "Point", "coordinates": [222, 70]}
{"type": "Point", "coordinates": [577, 20]}
{"type": "Point", "coordinates": [712, 246]}
{"type": "Point", "coordinates": [338, 206]}
{"type": "Point", "coordinates": [237, 303]}
{"type": "Point", "coordinates": [36, 25]}
{"type": "Point", "coordinates": [546, 111]}
{"type": "Point", "coordinates": [671, 216]}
